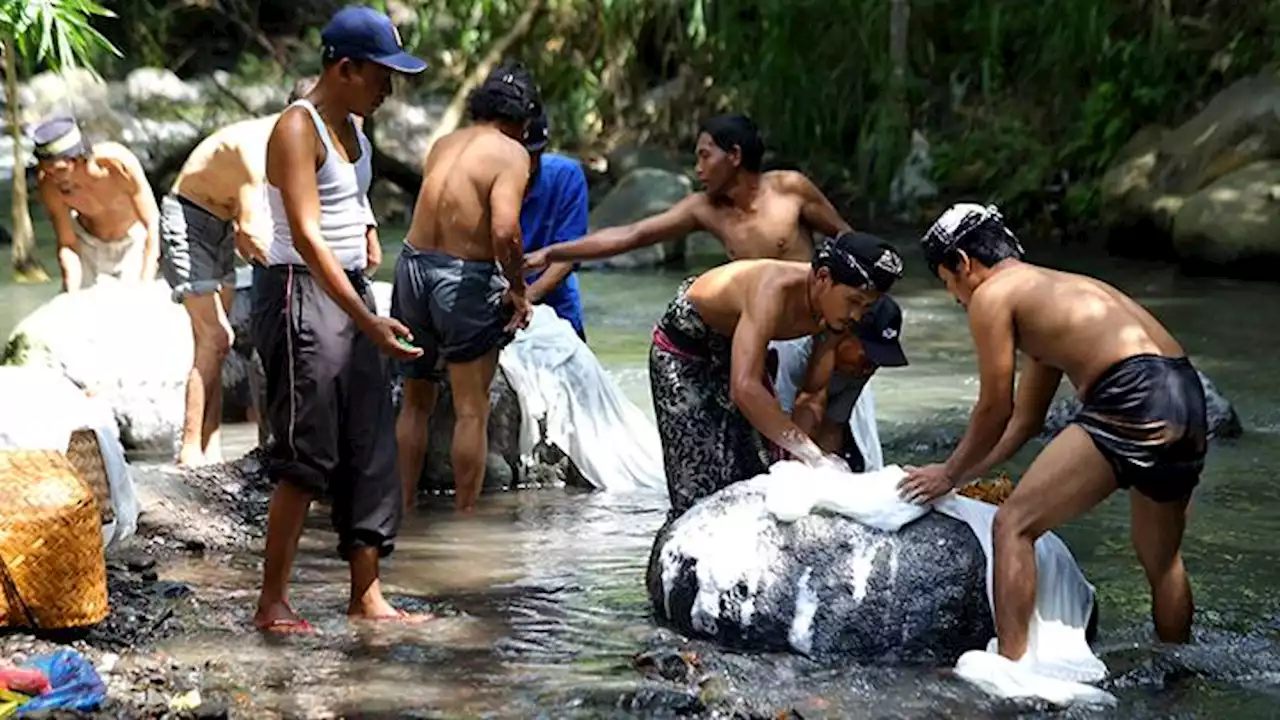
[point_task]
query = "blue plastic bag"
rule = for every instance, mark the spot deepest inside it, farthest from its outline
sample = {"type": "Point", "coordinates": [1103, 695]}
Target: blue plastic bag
{"type": "Point", "coordinates": [74, 683]}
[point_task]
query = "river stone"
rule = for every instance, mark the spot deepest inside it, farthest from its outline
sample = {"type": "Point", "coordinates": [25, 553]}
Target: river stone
{"type": "Point", "coordinates": [1223, 420]}
{"type": "Point", "coordinates": [1235, 222]}
{"type": "Point", "coordinates": [643, 192]}
{"type": "Point", "coordinates": [824, 586]}
{"type": "Point", "coordinates": [130, 344]}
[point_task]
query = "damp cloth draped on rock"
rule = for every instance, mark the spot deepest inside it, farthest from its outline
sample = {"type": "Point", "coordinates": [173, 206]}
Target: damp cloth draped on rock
{"type": "Point", "coordinates": [564, 388]}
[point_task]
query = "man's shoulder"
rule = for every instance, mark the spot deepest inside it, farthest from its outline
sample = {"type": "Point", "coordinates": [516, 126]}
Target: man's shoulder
{"type": "Point", "coordinates": [113, 152]}
{"type": "Point", "coordinates": [788, 181]}
{"type": "Point", "coordinates": [563, 171]}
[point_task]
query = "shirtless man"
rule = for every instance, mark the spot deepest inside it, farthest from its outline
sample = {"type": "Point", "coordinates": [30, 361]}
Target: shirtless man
{"type": "Point", "coordinates": [449, 291]}
{"type": "Point", "coordinates": [316, 328]}
{"type": "Point", "coordinates": [214, 209]}
{"type": "Point", "coordinates": [717, 419]}
{"type": "Point", "coordinates": [1142, 424]}
{"type": "Point", "coordinates": [101, 206]}
{"type": "Point", "coordinates": [755, 215]}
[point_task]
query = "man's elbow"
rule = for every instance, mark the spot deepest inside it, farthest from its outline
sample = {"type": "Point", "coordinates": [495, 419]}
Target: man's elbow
{"type": "Point", "coordinates": [742, 391]}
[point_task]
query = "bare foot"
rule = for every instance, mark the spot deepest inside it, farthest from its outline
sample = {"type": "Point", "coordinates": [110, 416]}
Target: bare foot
{"type": "Point", "coordinates": [390, 614]}
{"type": "Point", "coordinates": [191, 458]}
{"type": "Point", "coordinates": [280, 618]}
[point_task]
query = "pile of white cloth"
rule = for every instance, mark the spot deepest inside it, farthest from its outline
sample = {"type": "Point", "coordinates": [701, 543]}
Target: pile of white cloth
{"type": "Point", "coordinates": [1058, 661]}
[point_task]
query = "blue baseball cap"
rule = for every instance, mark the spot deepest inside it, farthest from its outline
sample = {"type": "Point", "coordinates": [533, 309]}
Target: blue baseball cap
{"type": "Point", "coordinates": [362, 33]}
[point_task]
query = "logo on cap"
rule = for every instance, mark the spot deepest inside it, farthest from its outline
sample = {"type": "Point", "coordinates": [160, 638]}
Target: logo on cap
{"type": "Point", "coordinates": [395, 32]}
{"type": "Point", "coordinates": [890, 262]}
{"type": "Point", "coordinates": [889, 333]}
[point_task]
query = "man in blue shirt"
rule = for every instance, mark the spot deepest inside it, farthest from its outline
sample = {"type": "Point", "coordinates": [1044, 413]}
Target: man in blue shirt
{"type": "Point", "coordinates": [555, 211]}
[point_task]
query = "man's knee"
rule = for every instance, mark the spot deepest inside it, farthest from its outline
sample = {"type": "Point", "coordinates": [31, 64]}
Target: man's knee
{"type": "Point", "coordinates": [1012, 523]}
{"type": "Point", "coordinates": [418, 399]}
{"type": "Point", "coordinates": [214, 340]}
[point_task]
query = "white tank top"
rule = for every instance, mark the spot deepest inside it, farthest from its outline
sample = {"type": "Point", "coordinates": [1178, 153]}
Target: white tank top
{"type": "Point", "coordinates": [345, 215]}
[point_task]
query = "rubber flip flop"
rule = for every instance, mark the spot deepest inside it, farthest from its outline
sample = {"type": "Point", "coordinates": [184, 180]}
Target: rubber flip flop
{"type": "Point", "coordinates": [285, 626]}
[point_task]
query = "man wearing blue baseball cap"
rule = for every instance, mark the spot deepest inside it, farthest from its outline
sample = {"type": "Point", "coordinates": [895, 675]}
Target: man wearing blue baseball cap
{"type": "Point", "coordinates": [316, 328]}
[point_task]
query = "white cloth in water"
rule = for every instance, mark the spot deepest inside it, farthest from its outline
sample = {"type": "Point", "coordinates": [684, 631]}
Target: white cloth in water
{"type": "Point", "coordinates": [40, 411]}
{"type": "Point", "coordinates": [1058, 659]}
{"type": "Point", "coordinates": [561, 383]}
{"type": "Point", "coordinates": [110, 260]}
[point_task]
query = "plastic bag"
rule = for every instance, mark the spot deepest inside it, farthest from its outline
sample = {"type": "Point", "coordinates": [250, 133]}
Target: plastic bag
{"type": "Point", "coordinates": [75, 683]}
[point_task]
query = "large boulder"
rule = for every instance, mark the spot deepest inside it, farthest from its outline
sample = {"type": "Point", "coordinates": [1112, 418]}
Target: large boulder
{"type": "Point", "coordinates": [1224, 422]}
{"type": "Point", "coordinates": [129, 344]}
{"type": "Point", "coordinates": [825, 586]}
{"type": "Point", "coordinates": [1233, 223]}
{"type": "Point", "coordinates": [642, 192]}
{"type": "Point", "coordinates": [1160, 169]}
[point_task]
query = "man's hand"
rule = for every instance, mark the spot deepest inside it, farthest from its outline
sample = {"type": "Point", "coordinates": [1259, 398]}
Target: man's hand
{"type": "Point", "coordinates": [251, 247]}
{"type": "Point", "coordinates": [374, 255]}
{"type": "Point", "coordinates": [522, 311]}
{"type": "Point", "coordinates": [536, 260]}
{"type": "Point", "coordinates": [926, 484]}
{"type": "Point", "coordinates": [830, 461]}
{"type": "Point", "coordinates": [388, 334]}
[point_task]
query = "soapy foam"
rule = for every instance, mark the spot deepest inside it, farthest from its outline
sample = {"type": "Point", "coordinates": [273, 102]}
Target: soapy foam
{"type": "Point", "coordinates": [801, 633]}
{"type": "Point", "coordinates": [1058, 660]}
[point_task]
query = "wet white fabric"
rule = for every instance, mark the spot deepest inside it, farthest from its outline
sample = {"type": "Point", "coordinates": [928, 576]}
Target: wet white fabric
{"type": "Point", "coordinates": [40, 411]}
{"type": "Point", "coordinates": [563, 388]}
{"type": "Point", "coordinates": [1058, 661]}
{"type": "Point", "coordinates": [865, 431]}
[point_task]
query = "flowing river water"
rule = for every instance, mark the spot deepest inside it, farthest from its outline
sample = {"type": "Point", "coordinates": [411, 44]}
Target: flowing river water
{"type": "Point", "coordinates": [543, 591]}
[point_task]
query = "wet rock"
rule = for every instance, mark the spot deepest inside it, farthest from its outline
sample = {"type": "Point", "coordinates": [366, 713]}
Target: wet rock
{"type": "Point", "coordinates": [1156, 174]}
{"type": "Point", "coordinates": [1233, 223]}
{"type": "Point", "coordinates": [642, 192]}
{"type": "Point", "coordinates": [1223, 420]}
{"type": "Point", "coordinates": [824, 586]}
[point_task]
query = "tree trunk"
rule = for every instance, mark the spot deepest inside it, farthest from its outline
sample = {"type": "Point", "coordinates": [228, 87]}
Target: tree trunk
{"type": "Point", "coordinates": [899, 21]}
{"type": "Point", "coordinates": [452, 117]}
{"type": "Point", "coordinates": [26, 268]}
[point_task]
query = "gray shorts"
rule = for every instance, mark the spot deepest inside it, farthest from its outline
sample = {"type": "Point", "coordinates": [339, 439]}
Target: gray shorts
{"type": "Point", "coordinates": [793, 359]}
{"type": "Point", "coordinates": [453, 307]}
{"type": "Point", "coordinates": [197, 248]}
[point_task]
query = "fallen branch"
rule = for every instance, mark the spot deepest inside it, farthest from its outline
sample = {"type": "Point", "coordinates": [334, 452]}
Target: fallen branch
{"type": "Point", "coordinates": [452, 116]}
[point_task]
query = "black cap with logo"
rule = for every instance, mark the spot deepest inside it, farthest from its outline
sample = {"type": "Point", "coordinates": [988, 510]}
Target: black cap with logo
{"type": "Point", "coordinates": [880, 333]}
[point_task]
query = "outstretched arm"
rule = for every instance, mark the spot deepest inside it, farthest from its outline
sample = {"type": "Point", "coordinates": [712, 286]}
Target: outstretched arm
{"type": "Point", "coordinates": [1036, 387]}
{"type": "Point", "coordinates": [991, 324]}
{"type": "Point", "coordinates": [747, 389]}
{"type": "Point", "coordinates": [680, 219]}
{"type": "Point", "coordinates": [816, 211]}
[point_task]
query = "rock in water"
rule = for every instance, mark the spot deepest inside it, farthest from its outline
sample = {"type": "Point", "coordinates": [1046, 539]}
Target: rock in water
{"type": "Point", "coordinates": [130, 344]}
{"type": "Point", "coordinates": [825, 586]}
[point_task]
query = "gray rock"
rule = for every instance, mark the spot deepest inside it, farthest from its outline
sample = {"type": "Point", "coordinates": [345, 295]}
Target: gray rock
{"type": "Point", "coordinates": [1223, 420]}
{"type": "Point", "coordinates": [1234, 222]}
{"type": "Point", "coordinates": [643, 192]}
{"type": "Point", "coordinates": [824, 586]}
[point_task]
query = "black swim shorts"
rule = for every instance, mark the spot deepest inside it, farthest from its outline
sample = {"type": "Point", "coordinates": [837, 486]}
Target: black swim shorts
{"type": "Point", "coordinates": [453, 307]}
{"type": "Point", "coordinates": [328, 405]}
{"type": "Point", "coordinates": [1146, 414]}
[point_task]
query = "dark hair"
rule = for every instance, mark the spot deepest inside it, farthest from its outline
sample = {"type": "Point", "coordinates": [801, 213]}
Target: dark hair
{"type": "Point", "coordinates": [728, 131]}
{"type": "Point", "coordinates": [507, 95]}
{"type": "Point", "coordinates": [302, 87]}
{"type": "Point", "coordinates": [988, 242]}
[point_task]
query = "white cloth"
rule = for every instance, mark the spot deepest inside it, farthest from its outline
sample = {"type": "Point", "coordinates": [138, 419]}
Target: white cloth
{"type": "Point", "coordinates": [561, 383]}
{"type": "Point", "coordinates": [42, 408]}
{"type": "Point", "coordinates": [110, 260]}
{"type": "Point", "coordinates": [1058, 660]}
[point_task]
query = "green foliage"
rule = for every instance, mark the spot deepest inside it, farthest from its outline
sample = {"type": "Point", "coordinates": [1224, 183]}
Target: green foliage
{"type": "Point", "coordinates": [57, 32]}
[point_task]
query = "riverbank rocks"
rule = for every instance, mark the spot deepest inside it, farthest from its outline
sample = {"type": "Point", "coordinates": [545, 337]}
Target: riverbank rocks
{"type": "Point", "coordinates": [127, 343]}
{"type": "Point", "coordinates": [824, 586]}
{"type": "Point", "coordinates": [1200, 191]}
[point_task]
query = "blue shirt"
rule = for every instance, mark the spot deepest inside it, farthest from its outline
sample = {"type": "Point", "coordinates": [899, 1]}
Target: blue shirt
{"type": "Point", "coordinates": [555, 211]}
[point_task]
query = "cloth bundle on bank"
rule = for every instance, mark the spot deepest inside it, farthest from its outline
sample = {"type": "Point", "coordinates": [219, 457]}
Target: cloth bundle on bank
{"type": "Point", "coordinates": [564, 388]}
{"type": "Point", "coordinates": [1058, 660]}
{"type": "Point", "coordinates": [43, 410]}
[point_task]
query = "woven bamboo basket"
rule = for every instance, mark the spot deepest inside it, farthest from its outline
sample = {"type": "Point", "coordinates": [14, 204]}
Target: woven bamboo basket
{"type": "Point", "coordinates": [52, 569]}
{"type": "Point", "coordinates": [86, 457]}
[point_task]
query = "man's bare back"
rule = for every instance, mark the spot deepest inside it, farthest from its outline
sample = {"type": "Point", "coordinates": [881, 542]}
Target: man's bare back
{"type": "Point", "coordinates": [453, 214]}
{"type": "Point", "coordinates": [724, 293]}
{"type": "Point", "coordinates": [101, 193]}
{"type": "Point", "coordinates": [224, 163]}
{"type": "Point", "coordinates": [1073, 323]}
